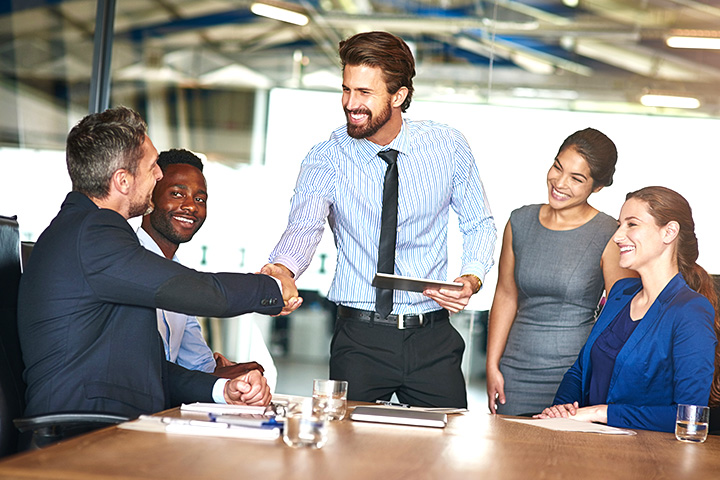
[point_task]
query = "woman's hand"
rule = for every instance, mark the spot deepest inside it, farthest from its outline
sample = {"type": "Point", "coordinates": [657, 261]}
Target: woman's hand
{"type": "Point", "coordinates": [559, 411]}
{"type": "Point", "coordinates": [495, 389]}
{"type": "Point", "coordinates": [593, 413]}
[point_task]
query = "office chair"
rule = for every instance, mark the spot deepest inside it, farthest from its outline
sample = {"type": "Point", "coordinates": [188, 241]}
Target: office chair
{"type": "Point", "coordinates": [18, 433]}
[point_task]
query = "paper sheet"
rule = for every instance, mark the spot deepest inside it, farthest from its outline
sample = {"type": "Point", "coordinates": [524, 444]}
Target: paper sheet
{"type": "Point", "coordinates": [221, 409]}
{"type": "Point", "coordinates": [174, 425]}
{"type": "Point", "coordinates": [570, 425]}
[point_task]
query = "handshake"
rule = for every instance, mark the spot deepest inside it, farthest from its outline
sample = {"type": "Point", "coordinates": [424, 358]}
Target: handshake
{"type": "Point", "coordinates": [286, 278]}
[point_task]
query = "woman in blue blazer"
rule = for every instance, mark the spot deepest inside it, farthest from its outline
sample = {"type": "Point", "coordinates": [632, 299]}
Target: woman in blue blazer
{"type": "Point", "coordinates": [653, 346]}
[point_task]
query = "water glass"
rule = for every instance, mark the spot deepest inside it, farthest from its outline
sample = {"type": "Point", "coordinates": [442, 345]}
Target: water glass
{"type": "Point", "coordinates": [331, 396]}
{"type": "Point", "coordinates": [305, 424]}
{"type": "Point", "coordinates": [692, 423]}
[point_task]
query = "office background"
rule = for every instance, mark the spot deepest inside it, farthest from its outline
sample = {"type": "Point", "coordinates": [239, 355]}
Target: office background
{"type": "Point", "coordinates": [253, 94]}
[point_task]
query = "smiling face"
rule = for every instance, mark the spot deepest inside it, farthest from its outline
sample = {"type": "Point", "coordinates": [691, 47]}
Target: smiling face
{"type": "Point", "coordinates": [569, 181]}
{"type": "Point", "coordinates": [180, 206]}
{"type": "Point", "coordinates": [367, 104]}
{"type": "Point", "coordinates": [640, 239]}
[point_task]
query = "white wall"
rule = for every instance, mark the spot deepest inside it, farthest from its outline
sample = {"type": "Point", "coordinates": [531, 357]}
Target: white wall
{"type": "Point", "coordinates": [247, 207]}
{"type": "Point", "coordinates": [515, 147]}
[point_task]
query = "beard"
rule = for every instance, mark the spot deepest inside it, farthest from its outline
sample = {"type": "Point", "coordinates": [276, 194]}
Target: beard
{"type": "Point", "coordinates": [141, 207]}
{"type": "Point", "coordinates": [162, 223]}
{"type": "Point", "coordinates": [372, 125]}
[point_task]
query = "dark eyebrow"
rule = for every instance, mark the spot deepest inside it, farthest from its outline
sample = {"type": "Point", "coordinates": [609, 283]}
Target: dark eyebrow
{"type": "Point", "coordinates": [185, 187]}
{"type": "Point", "coordinates": [557, 160]}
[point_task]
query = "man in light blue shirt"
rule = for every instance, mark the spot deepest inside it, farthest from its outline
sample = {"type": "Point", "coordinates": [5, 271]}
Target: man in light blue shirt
{"type": "Point", "coordinates": [414, 351]}
{"type": "Point", "coordinates": [179, 210]}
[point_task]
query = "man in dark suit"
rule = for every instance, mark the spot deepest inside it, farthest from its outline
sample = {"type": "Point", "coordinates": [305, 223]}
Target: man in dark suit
{"type": "Point", "coordinates": [87, 300]}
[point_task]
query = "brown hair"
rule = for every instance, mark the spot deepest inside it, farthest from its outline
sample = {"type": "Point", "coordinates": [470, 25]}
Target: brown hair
{"type": "Point", "coordinates": [666, 205]}
{"type": "Point", "coordinates": [598, 151]}
{"type": "Point", "coordinates": [384, 51]}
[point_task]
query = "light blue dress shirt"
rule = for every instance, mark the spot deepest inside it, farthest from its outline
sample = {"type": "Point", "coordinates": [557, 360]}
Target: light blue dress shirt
{"type": "Point", "coordinates": [181, 334]}
{"type": "Point", "coordinates": [341, 180]}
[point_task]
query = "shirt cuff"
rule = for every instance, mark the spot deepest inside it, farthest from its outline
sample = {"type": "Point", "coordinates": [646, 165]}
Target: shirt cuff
{"type": "Point", "coordinates": [218, 392]}
{"type": "Point", "coordinates": [279, 285]}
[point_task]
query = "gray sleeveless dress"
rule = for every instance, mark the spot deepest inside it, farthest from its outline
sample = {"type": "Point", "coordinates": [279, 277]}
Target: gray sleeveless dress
{"type": "Point", "coordinates": [559, 282]}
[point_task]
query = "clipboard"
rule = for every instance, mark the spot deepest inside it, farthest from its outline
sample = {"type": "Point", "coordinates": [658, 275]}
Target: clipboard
{"type": "Point", "coordinates": [411, 284]}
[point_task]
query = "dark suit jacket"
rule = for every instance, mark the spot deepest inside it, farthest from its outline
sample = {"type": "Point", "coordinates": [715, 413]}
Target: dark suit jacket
{"type": "Point", "coordinates": [667, 360]}
{"type": "Point", "coordinates": [87, 323]}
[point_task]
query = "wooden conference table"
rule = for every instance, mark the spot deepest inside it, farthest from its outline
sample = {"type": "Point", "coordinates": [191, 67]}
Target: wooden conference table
{"type": "Point", "coordinates": [473, 445]}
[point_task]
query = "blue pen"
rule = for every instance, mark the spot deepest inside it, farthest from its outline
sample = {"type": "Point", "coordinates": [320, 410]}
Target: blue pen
{"type": "Point", "coordinates": [245, 422]}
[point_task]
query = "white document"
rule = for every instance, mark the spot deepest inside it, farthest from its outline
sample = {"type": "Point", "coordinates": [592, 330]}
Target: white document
{"type": "Point", "coordinates": [570, 425]}
{"type": "Point", "coordinates": [183, 426]}
{"type": "Point", "coordinates": [221, 408]}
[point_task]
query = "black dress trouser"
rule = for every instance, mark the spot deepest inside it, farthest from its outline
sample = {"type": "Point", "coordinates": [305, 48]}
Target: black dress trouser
{"type": "Point", "coordinates": [420, 365]}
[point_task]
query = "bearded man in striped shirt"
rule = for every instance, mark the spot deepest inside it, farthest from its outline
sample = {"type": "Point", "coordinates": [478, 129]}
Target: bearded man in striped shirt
{"type": "Point", "coordinates": [389, 341]}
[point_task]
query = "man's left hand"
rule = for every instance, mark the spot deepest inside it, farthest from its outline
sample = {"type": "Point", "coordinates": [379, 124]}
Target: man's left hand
{"type": "Point", "coordinates": [248, 389]}
{"type": "Point", "coordinates": [454, 300]}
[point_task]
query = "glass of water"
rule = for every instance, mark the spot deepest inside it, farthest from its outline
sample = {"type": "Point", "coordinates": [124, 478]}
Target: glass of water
{"type": "Point", "coordinates": [692, 423]}
{"type": "Point", "coordinates": [305, 424]}
{"type": "Point", "coordinates": [331, 396]}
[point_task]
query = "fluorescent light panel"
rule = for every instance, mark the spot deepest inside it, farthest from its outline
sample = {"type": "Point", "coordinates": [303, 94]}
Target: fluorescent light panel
{"type": "Point", "coordinates": [670, 101]}
{"type": "Point", "coordinates": [276, 13]}
{"type": "Point", "coordinates": [705, 43]}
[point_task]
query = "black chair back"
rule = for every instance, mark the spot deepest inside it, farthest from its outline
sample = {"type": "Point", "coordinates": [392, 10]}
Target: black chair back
{"type": "Point", "coordinates": [12, 387]}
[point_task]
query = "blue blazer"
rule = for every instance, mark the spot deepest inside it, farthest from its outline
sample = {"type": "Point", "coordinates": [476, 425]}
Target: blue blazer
{"type": "Point", "coordinates": [667, 360]}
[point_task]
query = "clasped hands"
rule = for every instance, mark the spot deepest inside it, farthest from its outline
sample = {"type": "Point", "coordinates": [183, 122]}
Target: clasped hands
{"type": "Point", "coordinates": [594, 413]}
{"type": "Point", "coordinates": [250, 388]}
{"type": "Point", "coordinates": [290, 294]}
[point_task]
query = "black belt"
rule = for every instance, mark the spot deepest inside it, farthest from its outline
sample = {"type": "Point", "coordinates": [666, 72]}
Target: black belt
{"type": "Point", "coordinates": [402, 322]}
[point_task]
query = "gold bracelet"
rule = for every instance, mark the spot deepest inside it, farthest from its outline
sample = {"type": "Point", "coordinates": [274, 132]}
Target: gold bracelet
{"type": "Point", "coordinates": [479, 282]}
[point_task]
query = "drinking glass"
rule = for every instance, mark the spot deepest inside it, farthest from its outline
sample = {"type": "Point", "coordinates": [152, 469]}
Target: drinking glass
{"type": "Point", "coordinates": [692, 423]}
{"type": "Point", "coordinates": [305, 424]}
{"type": "Point", "coordinates": [331, 396]}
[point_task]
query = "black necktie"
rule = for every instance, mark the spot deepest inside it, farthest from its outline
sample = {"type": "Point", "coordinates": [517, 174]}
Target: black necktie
{"type": "Point", "coordinates": [388, 231]}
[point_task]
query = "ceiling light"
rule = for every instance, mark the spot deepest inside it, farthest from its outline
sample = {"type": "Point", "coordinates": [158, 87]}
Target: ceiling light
{"type": "Point", "coordinates": [571, 3]}
{"type": "Point", "coordinates": [532, 64]}
{"type": "Point", "coordinates": [279, 14]}
{"type": "Point", "coordinates": [670, 101]}
{"type": "Point", "coordinates": [707, 43]}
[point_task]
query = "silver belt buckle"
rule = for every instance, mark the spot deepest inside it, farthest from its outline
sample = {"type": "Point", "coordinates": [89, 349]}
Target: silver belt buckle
{"type": "Point", "coordinates": [401, 320]}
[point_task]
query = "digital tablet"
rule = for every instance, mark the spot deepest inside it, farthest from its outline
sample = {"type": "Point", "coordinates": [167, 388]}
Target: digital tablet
{"type": "Point", "coordinates": [396, 282]}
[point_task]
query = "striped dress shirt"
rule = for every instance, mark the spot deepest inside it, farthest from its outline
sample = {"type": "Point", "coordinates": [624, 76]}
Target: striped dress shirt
{"type": "Point", "coordinates": [341, 180]}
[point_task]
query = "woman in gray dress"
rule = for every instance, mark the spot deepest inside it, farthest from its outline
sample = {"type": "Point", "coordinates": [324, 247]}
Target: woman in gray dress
{"type": "Point", "coordinates": [555, 262]}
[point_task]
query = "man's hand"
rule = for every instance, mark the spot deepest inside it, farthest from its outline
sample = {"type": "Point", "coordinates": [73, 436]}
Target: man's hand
{"type": "Point", "coordinates": [248, 389]}
{"type": "Point", "coordinates": [289, 290]}
{"type": "Point", "coordinates": [454, 300]}
{"type": "Point", "coordinates": [227, 369]}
